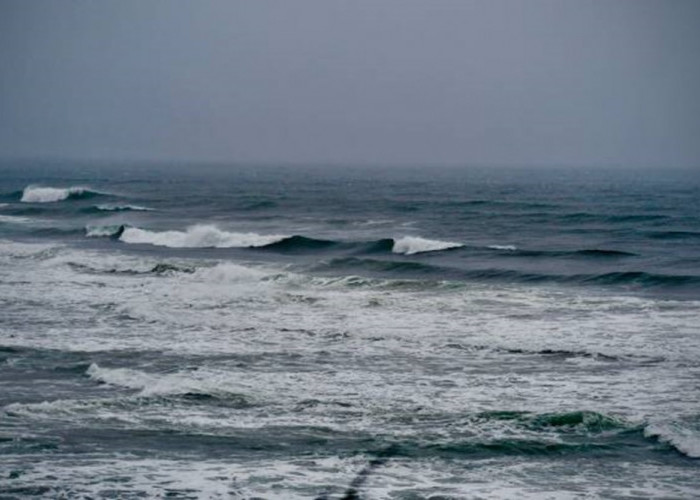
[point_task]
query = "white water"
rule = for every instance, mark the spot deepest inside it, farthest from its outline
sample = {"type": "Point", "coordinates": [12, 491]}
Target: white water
{"type": "Point", "coordinates": [120, 208]}
{"type": "Point", "coordinates": [199, 236]}
{"type": "Point", "coordinates": [511, 248]}
{"type": "Point", "coordinates": [298, 346]}
{"type": "Point", "coordinates": [35, 194]}
{"type": "Point", "coordinates": [409, 245]}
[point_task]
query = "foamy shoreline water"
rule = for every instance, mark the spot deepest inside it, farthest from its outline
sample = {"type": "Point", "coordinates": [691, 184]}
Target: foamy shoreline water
{"type": "Point", "coordinates": [247, 344]}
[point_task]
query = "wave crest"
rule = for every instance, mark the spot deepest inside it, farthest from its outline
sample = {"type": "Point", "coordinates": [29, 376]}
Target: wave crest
{"type": "Point", "coordinates": [189, 385]}
{"type": "Point", "coordinates": [36, 194]}
{"type": "Point", "coordinates": [122, 208]}
{"type": "Point", "coordinates": [113, 231]}
{"type": "Point", "coordinates": [199, 236]}
{"type": "Point", "coordinates": [684, 438]}
{"type": "Point", "coordinates": [409, 245]}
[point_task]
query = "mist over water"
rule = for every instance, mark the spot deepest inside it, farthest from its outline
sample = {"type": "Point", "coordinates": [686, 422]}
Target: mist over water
{"type": "Point", "coordinates": [311, 332]}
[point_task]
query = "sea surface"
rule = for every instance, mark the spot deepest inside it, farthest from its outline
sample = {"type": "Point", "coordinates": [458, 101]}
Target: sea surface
{"type": "Point", "coordinates": [213, 331]}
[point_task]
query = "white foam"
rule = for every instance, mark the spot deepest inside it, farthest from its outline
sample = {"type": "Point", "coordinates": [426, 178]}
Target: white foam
{"type": "Point", "coordinates": [682, 438]}
{"type": "Point", "coordinates": [202, 381]}
{"type": "Point", "coordinates": [15, 249]}
{"type": "Point", "coordinates": [14, 219]}
{"type": "Point", "coordinates": [124, 377]}
{"type": "Point", "coordinates": [228, 272]}
{"type": "Point", "coordinates": [35, 194]}
{"type": "Point", "coordinates": [199, 236]}
{"type": "Point", "coordinates": [119, 208]}
{"type": "Point", "coordinates": [102, 231]}
{"type": "Point", "coordinates": [409, 245]}
{"type": "Point", "coordinates": [511, 248]}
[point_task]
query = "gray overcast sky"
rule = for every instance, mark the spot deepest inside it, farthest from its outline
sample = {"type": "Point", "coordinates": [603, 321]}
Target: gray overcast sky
{"type": "Point", "coordinates": [586, 82]}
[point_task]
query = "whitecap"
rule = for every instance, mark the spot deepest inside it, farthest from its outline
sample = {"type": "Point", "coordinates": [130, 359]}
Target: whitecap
{"type": "Point", "coordinates": [683, 439]}
{"type": "Point", "coordinates": [14, 219]}
{"type": "Point", "coordinates": [409, 245]}
{"type": "Point", "coordinates": [511, 248]}
{"type": "Point", "coordinates": [199, 236]}
{"type": "Point", "coordinates": [102, 231]}
{"type": "Point", "coordinates": [122, 208]}
{"type": "Point", "coordinates": [35, 194]}
{"type": "Point", "coordinates": [153, 384]}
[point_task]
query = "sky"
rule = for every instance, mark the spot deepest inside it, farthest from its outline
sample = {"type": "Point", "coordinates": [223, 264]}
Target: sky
{"type": "Point", "coordinates": [489, 82]}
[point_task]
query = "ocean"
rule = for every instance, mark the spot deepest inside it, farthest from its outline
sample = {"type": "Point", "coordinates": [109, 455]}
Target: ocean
{"type": "Point", "coordinates": [213, 331]}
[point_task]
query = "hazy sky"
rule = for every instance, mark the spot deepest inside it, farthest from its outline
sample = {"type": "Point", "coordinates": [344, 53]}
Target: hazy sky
{"type": "Point", "coordinates": [579, 82]}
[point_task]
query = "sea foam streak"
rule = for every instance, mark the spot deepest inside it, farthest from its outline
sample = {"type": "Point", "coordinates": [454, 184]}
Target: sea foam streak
{"type": "Point", "coordinates": [14, 219]}
{"type": "Point", "coordinates": [122, 208]}
{"type": "Point", "coordinates": [199, 236]}
{"type": "Point", "coordinates": [409, 245]}
{"type": "Point", "coordinates": [35, 194]}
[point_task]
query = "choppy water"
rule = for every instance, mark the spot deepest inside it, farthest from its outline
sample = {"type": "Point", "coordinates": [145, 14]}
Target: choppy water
{"type": "Point", "coordinates": [202, 332]}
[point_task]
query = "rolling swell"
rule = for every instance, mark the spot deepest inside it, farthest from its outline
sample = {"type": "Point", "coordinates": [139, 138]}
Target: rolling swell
{"type": "Point", "coordinates": [209, 236]}
{"type": "Point", "coordinates": [107, 208]}
{"type": "Point", "coordinates": [674, 235]}
{"type": "Point", "coordinates": [588, 253]}
{"type": "Point", "coordinates": [298, 243]}
{"type": "Point", "coordinates": [422, 269]}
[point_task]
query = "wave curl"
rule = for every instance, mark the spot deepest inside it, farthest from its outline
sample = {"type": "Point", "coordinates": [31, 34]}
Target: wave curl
{"type": "Point", "coordinates": [36, 194]}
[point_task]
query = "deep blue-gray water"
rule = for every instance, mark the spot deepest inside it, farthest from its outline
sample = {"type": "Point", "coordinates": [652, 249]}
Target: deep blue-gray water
{"type": "Point", "coordinates": [290, 332]}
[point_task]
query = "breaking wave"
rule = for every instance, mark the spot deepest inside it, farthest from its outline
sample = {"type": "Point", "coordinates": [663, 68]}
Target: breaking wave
{"type": "Point", "coordinates": [682, 436]}
{"type": "Point", "coordinates": [199, 236]}
{"type": "Point", "coordinates": [189, 385]}
{"type": "Point", "coordinates": [36, 194]}
{"type": "Point", "coordinates": [121, 208]}
{"type": "Point", "coordinates": [509, 248]}
{"type": "Point", "coordinates": [112, 231]}
{"type": "Point", "coordinates": [409, 245]}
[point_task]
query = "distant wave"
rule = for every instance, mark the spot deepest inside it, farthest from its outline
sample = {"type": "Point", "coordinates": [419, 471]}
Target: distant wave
{"type": "Point", "coordinates": [121, 208]}
{"type": "Point", "coordinates": [14, 219]}
{"type": "Point", "coordinates": [210, 236]}
{"type": "Point", "coordinates": [199, 236]}
{"type": "Point", "coordinates": [597, 252]}
{"type": "Point", "coordinates": [409, 245]}
{"type": "Point", "coordinates": [423, 269]}
{"type": "Point", "coordinates": [674, 235]}
{"type": "Point", "coordinates": [113, 231]}
{"type": "Point", "coordinates": [36, 194]}
{"type": "Point", "coordinates": [513, 251]}
{"type": "Point", "coordinates": [510, 248]}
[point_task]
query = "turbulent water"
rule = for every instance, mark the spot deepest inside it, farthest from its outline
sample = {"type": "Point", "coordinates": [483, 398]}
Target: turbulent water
{"type": "Point", "coordinates": [270, 332]}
